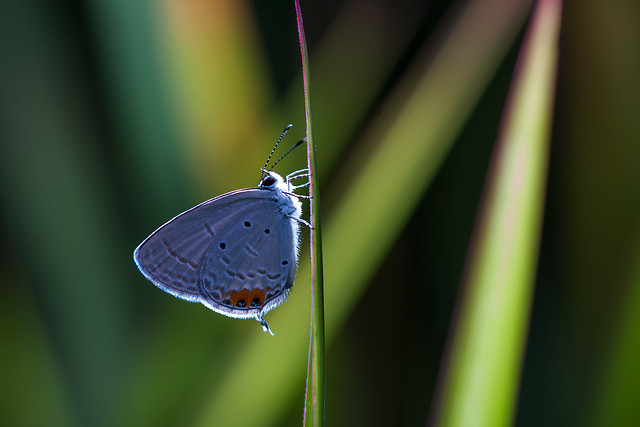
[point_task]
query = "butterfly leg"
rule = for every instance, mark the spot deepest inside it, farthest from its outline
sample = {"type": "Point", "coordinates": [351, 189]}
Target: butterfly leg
{"type": "Point", "coordinates": [297, 174]}
{"type": "Point", "coordinates": [302, 196]}
{"type": "Point", "coordinates": [301, 221]}
{"type": "Point", "coordinates": [291, 178]}
{"type": "Point", "coordinates": [302, 173]}
{"type": "Point", "coordinates": [293, 187]}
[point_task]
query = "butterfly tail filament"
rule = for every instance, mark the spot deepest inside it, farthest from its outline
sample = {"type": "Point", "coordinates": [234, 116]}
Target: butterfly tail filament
{"type": "Point", "coordinates": [265, 326]}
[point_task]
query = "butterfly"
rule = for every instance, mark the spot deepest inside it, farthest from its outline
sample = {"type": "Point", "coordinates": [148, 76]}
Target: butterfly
{"type": "Point", "coordinates": [237, 253]}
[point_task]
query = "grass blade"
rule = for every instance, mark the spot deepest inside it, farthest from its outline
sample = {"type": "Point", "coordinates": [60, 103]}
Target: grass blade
{"type": "Point", "coordinates": [315, 389]}
{"type": "Point", "coordinates": [481, 379]}
{"type": "Point", "coordinates": [617, 396]}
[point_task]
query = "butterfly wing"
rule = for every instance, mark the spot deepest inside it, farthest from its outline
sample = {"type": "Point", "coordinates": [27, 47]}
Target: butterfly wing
{"type": "Point", "coordinates": [251, 265]}
{"type": "Point", "coordinates": [236, 253]}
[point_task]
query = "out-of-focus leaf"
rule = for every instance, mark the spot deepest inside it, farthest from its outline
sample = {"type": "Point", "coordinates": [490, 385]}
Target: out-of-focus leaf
{"type": "Point", "coordinates": [481, 375]}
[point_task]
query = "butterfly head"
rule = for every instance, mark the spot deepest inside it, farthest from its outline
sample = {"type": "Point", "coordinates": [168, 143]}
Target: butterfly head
{"type": "Point", "coordinates": [273, 181]}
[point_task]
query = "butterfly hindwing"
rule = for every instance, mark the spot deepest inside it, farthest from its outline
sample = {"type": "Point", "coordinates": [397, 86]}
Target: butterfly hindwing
{"type": "Point", "coordinates": [235, 253]}
{"type": "Point", "coordinates": [252, 262]}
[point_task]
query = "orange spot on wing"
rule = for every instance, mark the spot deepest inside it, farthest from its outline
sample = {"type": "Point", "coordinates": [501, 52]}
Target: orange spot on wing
{"type": "Point", "coordinates": [248, 295]}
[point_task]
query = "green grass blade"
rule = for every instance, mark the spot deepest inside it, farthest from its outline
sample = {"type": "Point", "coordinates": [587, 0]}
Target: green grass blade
{"type": "Point", "coordinates": [58, 207]}
{"type": "Point", "coordinates": [315, 389]}
{"type": "Point", "coordinates": [618, 395]}
{"type": "Point", "coordinates": [482, 373]}
{"type": "Point", "coordinates": [31, 375]}
{"type": "Point", "coordinates": [136, 92]}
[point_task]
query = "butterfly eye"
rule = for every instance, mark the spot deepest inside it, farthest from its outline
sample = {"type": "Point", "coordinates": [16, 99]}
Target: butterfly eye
{"type": "Point", "coordinates": [268, 181]}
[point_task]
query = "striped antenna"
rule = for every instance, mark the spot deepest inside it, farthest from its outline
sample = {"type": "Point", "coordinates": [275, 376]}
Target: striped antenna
{"type": "Point", "coordinates": [288, 151]}
{"type": "Point", "coordinates": [284, 132]}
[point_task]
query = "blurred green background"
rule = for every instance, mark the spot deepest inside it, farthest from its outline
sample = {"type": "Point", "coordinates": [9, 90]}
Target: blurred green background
{"type": "Point", "coordinates": [117, 115]}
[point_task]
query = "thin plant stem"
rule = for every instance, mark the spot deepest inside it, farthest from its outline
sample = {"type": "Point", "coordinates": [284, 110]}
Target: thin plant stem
{"type": "Point", "coordinates": [315, 388]}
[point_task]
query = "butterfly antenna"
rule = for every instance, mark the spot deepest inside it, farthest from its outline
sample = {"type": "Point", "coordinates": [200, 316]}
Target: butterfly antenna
{"type": "Point", "coordinates": [284, 132]}
{"type": "Point", "coordinates": [288, 151]}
